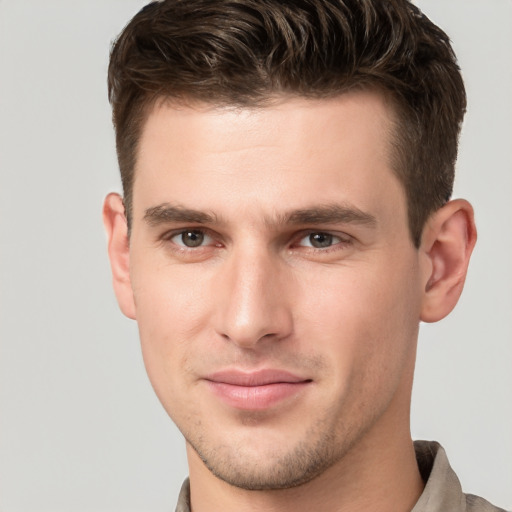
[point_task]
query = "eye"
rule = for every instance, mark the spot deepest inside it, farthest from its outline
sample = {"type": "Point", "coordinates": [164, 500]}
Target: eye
{"type": "Point", "coordinates": [191, 238]}
{"type": "Point", "coordinates": [321, 240]}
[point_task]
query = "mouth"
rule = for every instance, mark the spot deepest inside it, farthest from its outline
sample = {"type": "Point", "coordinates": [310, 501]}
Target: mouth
{"type": "Point", "coordinates": [257, 390]}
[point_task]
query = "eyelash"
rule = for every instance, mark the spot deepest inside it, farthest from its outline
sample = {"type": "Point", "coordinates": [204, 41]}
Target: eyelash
{"type": "Point", "coordinates": [343, 240]}
{"type": "Point", "coordinates": [168, 237]}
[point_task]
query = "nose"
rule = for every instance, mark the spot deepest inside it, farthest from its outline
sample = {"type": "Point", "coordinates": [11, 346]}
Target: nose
{"type": "Point", "coordinates": [252, 301]}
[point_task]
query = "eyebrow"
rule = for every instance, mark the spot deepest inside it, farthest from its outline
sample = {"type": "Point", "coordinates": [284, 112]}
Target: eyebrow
{"type": "Point", "coordinates": [330, 214]}
{"type": "Point", "coordinates": [165, 213]}
{"type": "Point", "coordinates": [324, 214]}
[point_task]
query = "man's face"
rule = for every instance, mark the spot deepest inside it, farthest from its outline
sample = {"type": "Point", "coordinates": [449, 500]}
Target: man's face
{"type": "Point", "coordinates": [275, 284]}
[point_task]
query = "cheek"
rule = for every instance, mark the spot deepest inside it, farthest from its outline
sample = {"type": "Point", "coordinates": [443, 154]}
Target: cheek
{"type": "Point", "coordinates": [365, 319]}
{"type": "Point", "coordinates": [171, 311]}
{"type": "Point", "coordinates": [167, 297]}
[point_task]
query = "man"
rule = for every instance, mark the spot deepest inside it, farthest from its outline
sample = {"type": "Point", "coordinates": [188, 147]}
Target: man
{"type": "Point", "coordinates": [285, 226]}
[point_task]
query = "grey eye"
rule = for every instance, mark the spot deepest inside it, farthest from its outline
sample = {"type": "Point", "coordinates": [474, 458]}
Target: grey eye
{"type": "Point", "coordinates": [321, 240]}
{"type": "Point", "coordinates": [192, 238]}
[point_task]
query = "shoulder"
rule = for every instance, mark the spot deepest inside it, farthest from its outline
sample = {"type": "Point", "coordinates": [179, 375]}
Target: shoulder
{"type": "Point", "coordinates": [477, 504]}
{"type": "Point", "coordinates": [443, 490]}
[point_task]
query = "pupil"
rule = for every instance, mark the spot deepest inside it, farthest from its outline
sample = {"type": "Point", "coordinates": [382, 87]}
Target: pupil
{"type": "Point", "coordinates": [320, 240]}
{"type": "Point", "coordinates": [192, 238]}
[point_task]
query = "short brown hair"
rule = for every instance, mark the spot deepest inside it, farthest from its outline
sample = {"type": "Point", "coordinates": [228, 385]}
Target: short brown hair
{"type": "Point", "coordinates": [242, 52]}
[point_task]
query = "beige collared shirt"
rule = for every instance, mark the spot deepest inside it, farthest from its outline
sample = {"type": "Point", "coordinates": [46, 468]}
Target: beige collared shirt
{"type": "Point", "coordinates": [442, 492]}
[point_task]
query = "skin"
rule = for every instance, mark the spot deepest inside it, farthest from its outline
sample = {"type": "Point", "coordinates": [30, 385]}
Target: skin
{"type": "Point", "coordinates": [256, 290]}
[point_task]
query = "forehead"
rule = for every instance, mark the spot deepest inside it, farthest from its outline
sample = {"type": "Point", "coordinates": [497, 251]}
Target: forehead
{"type": "Point", "coordinates": [289, 152]}
{"type": "Point", "coordinates": [225, 125]}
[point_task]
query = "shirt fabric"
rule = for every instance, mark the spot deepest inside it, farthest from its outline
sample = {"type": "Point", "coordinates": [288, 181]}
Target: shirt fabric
{"type": "Point", "coordinates": [442, 493]}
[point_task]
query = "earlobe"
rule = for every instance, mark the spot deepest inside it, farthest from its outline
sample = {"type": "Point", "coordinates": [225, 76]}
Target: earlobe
{"type": "Point", "coordinates": [114, 220]}
{"type": "Point", "coordinates": [447, 243]}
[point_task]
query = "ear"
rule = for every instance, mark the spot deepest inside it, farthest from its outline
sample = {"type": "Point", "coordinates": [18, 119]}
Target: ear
{"type": "Point", "coordinates": [447, 243]}
{"type": "Point", "coordinates": [116, 227]}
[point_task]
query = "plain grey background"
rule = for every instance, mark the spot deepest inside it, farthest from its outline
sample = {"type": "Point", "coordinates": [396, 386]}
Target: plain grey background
{"type": "Point", "coordinates": [80, 427]}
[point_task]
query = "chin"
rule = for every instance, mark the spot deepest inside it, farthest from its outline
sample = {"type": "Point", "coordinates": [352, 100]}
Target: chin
{"type": "Point", "coordinates": [271, 467]}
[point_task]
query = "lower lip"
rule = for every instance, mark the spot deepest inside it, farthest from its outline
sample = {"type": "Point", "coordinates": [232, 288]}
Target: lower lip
{"type": "Point", "coordinates": [256, 398]}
